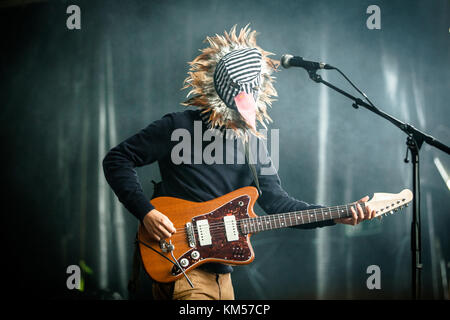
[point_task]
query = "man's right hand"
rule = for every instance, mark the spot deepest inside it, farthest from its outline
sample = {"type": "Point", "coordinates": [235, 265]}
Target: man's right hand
{"type": "Point", "coordinates": [158, 225]}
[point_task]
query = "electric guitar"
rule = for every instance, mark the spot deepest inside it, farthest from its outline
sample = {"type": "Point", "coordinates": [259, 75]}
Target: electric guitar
{"type": "Point", "coordinates": [219, 230]}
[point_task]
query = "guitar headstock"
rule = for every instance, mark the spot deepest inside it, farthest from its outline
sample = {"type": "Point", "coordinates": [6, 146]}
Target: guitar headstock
{"type": "Point", "coordinates": [388, 203]}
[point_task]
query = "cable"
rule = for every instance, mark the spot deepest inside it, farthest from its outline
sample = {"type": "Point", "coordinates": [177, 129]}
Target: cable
{"type": "Point", "coordinates": [356, 88]}
{"type": "Point", "coordinates": [185, 275]}
{"type": "Point", "coordinates": [176, 264]}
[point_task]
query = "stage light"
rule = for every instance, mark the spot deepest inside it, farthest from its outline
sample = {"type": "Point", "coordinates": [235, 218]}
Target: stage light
{"type": "Point", "coordinates": [442, 171]}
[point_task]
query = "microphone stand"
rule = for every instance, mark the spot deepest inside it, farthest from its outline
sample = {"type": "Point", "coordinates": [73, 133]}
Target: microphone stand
{"type": "Point", "coordinates": [415, 139]}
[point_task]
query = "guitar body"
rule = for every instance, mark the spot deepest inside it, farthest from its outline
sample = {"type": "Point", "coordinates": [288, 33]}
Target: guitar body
{"type": "Point", "coordinates": [192, 247]}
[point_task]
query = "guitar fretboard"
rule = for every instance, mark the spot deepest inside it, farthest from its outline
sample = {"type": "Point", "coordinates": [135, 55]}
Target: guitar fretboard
{"type": "Point", "coordinates": [284, 220]}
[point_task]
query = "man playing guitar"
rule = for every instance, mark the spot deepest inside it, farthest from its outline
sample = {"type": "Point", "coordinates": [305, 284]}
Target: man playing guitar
{"type": "Point", "coordinates": [231, 87]}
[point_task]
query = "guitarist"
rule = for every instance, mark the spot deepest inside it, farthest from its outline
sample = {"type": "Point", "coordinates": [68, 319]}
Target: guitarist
{"type": "Point", "coordinates": [232, 87]}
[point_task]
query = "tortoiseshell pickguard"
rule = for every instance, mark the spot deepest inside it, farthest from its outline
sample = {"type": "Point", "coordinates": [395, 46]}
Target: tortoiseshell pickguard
{"type": "Point", "coordinates": [228, 252]}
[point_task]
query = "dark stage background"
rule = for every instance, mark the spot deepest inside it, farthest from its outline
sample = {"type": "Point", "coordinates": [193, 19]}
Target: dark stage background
{"type": "Point", "coordinates": [68, 96]}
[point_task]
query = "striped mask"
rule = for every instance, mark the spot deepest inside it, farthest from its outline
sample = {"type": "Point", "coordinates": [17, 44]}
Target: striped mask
{"type": "Point", "coordinates": [239, 73]}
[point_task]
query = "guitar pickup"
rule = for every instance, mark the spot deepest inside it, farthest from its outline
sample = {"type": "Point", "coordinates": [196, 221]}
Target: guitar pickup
{"type": "Point", "coordinates": [231, 230]}
{"type": "Point", "coordinates": [204, 236]}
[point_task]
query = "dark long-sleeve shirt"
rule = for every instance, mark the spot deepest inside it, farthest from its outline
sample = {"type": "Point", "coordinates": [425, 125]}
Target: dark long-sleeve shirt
{"type": "Point", "coordinates": [188, 170]}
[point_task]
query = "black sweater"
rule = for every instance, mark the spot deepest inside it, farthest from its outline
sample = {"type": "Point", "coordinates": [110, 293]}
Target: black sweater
{"type": "Point", "coordinates": [194, 180]}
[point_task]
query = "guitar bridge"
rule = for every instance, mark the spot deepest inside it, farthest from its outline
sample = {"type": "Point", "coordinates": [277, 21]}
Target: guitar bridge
{"type": "Point", "coordinates": [190, 235]}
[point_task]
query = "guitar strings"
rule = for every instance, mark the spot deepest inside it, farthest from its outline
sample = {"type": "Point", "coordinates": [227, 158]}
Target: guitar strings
{"type": "Point", "coordinates": [252, 228]}
{"type": "Point", "coordinates": [270, 219]}
{"type": "Point", "coordinates": [278, 216]}
{"type": "Point", "coordinates": [260, 221]}
{"type": "Point", "coordinates": [219, 226]}
{"type": "Point", "coordinates": [264, 220]}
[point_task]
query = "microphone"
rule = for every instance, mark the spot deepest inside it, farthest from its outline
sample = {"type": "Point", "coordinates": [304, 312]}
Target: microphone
{"type": "Point", "coordinates": [288, 61]}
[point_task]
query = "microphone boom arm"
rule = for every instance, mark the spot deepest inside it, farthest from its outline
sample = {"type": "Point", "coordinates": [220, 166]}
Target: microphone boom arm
{"type": "Point", "coordinates": [418, 135]}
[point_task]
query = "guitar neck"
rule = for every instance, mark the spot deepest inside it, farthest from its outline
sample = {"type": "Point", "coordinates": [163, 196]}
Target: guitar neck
{"type": "Point", "coordinates": [295, 218]}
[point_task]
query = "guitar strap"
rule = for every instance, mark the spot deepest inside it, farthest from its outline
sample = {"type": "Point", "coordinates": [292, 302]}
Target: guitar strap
{"type": "Point", "coordinates": [251, 165]}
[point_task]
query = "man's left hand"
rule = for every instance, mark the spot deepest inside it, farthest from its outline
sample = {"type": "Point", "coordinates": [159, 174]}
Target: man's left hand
{"type": "Point", "coordinates": [359, 214]}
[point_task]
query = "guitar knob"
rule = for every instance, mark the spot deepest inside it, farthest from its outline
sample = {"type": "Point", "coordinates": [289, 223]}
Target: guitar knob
{"type": "Point", "coordinates": [184, 262]}
{"type": "Point", "coordinates": [195, 255]}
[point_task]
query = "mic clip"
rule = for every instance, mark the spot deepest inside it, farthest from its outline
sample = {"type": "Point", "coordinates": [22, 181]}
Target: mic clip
{"type": "Point", "coordinates": [314, 76]}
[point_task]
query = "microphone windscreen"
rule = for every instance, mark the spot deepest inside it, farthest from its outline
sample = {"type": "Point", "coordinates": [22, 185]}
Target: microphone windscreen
{"type": "Point", "coordinates": [285, 60]}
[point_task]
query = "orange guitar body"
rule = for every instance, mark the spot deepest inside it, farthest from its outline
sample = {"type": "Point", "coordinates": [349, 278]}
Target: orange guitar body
{"type": "Point", "coordinates": [188, 218]}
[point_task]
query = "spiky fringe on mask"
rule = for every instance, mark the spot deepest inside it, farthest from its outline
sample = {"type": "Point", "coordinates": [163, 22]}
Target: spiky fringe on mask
{"type": "Point", "coordinates": [201, 82]}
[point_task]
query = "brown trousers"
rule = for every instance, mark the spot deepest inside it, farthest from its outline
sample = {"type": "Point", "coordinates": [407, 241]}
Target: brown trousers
{"type": "Point", "coordinates": [207, 286]}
